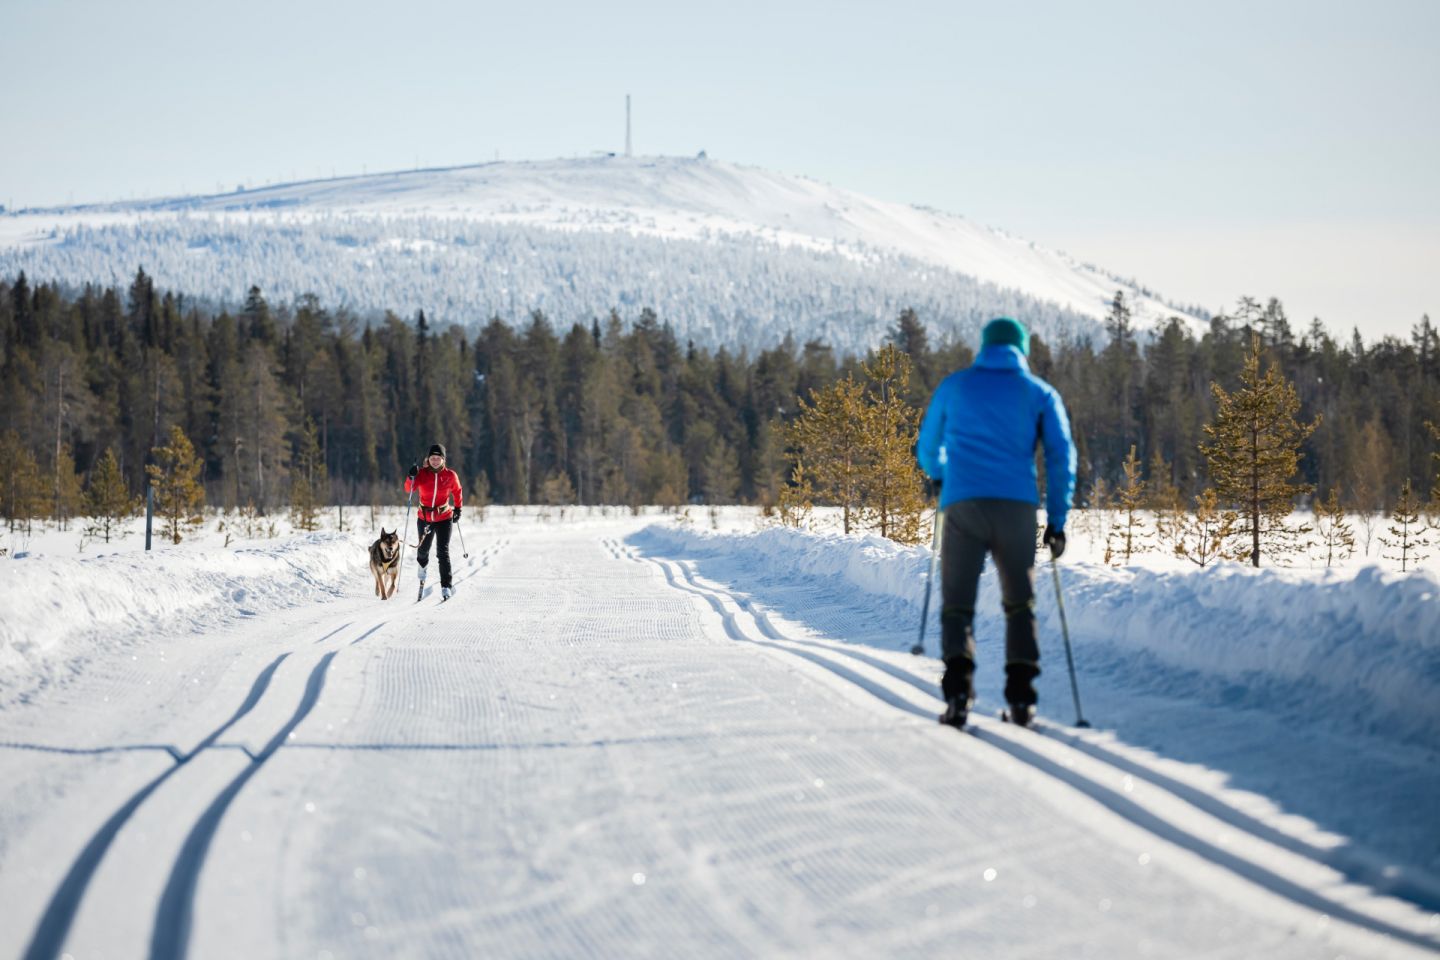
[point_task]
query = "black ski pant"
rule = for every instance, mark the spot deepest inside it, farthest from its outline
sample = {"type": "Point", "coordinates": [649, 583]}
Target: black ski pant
{"type": "Point", "coordinates": [1005, 529]}
{"type": "Point", "coordinates": [439, 531]}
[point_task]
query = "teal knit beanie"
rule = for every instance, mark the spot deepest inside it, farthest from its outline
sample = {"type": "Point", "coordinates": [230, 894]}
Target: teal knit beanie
{"type": "Point", "coordinates": [1007, 331]}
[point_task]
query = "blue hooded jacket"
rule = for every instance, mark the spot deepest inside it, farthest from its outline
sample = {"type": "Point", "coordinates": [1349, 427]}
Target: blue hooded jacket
{"type": "Point", "coordinates": [980, 431]}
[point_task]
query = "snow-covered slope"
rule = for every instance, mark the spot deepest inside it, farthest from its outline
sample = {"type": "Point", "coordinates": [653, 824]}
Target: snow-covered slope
{"type": "Point", "coordinates": [727, 253]}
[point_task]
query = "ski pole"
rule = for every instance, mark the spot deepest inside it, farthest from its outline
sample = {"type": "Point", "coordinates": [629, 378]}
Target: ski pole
{"type": "Point", "coordinates": [1080, 720]}
{"type": "Point", "coordinates": [408, 498]}
{"type": "Point", "coordinates": [919, 648]}
{"type": "Point", "coordinates": [463, 552]}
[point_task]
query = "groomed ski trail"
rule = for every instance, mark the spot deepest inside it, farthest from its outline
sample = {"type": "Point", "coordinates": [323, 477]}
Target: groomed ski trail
{"type": "Point", "coordinates": [590, 753]}
{"type": "Point", "coordinates": [1325, 884]}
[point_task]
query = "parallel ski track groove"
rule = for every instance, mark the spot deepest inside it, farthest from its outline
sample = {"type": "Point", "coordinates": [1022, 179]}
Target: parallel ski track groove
{"type": "Point", "coordinates": [59, 914]}
{"type": "Point", "coordinates": [1128, 809]}
{"type": "Point", "coordinates": [174, 917]}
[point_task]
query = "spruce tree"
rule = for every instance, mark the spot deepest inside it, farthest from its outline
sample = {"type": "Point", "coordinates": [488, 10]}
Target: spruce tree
{"type": "Point", "coordinates": [108, 502]}
{"type": "Point", "coordinates": [1254, 452]}
{"type": "Point", "coordinates": [175, 474]}
{"type": "Point", "coordinates": [309, 480]}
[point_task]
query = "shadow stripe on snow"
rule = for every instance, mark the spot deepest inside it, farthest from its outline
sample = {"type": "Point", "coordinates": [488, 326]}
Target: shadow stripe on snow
{"type": "Point", "coordinates": [332, 633]}
{"type": "Point", "coordinates": [1127, 808]}
{"type": "Point", "coordinates": [174, 751]}
{"type": "Point", "coordinates": [174, 917]}
{"type": "Point", "coordinates": [1357, 865]}
{"type": "Point", "coordinates": [59, 914]}
{"type": "Point", "coordinates": [1137, 814]}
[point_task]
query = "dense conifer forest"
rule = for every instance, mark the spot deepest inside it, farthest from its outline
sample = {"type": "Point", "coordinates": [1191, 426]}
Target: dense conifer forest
{"type": "Point", "coordinates": [615, 409]}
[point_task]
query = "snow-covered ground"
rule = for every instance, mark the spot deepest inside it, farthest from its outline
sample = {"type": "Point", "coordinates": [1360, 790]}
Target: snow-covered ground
{"type": "Point", "coordinates": [645, 734]}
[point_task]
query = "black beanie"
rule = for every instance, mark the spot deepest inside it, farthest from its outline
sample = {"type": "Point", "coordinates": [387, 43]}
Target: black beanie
{"type": "Point", "coordinates": [437, 449]}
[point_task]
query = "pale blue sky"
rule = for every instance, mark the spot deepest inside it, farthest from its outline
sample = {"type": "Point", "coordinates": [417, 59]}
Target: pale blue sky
{"type": "Point", "coordinates": [1209, 150]}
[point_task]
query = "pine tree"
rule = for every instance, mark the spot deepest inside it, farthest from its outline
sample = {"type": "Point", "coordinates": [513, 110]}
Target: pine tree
{"type": "Point", "coordinates": [108, 502]}
{"type": "Point", "coordinates": [1163, 498]}
{"type": "Point", "coordinates": [1096, 513]}
{"type": "Point", "coordinates": [1336, 535]}
{"type": "Point", "coordinates": [68, 498]}
{"type": "Point", "coordinates": [25, 493]}
{"type": "Point", "coordinates": [1369, 468]}
{"type": "Point", "coordinates": [1129, 535]}
{"type": "Point", "coordinates": [557, 491]}
{"type": "Point", "coordinates": [720, 473]}
{"type": "Point", "coordinates": [796, 500]}
{"type": "Point", "coordinates": [828, 436]}
{"type": "Point", "coordinates": [478, 499]}
{"type": "Point", "coordinates": [1204, 536]}
{"type": "Point", "coordinates": [1432, 507]}
{"type": "Point", "coordinates": [309, 480]}
{"type": "Point", "coordinates": [1253, 453]}
{"type": "Point", "coordinates": [1407, 535]}
{"type": "Point", "coordinates": [175, 474]}
{"type": "Point", "coordinates": [892, 489]}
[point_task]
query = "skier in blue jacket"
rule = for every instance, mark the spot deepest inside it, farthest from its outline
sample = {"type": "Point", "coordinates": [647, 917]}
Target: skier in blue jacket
{"type": "Point", "coordinates": [978, 441]}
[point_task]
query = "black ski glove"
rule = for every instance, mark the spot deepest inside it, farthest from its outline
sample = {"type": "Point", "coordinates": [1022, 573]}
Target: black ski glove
{"type": "Point", "coordinates": [1055, 540]}
{"type": "Point", "coordinates": [455, 515]}
{"type": "Point", "coordinates": [414, 470]}
{"type": "Point", "coordinates": [932, 485]}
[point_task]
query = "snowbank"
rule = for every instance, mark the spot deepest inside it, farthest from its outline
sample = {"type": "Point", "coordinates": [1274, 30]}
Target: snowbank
{"type": "Point", "coordinates": [57, 609]}
{"type": "Point", "coordinates": [1361, 648]}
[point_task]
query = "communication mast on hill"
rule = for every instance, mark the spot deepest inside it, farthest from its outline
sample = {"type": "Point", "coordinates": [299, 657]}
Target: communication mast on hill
{"type": "Point", "coordinates": [627, 124]}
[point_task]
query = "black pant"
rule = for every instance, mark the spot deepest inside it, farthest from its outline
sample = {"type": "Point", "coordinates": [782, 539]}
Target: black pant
{"type": "Point", "coordinates": [1006, 530]}
{"type": "Point", "coordinates": [439, 531]}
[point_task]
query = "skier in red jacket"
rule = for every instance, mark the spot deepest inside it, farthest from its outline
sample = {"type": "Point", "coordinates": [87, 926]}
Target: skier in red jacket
{"type": "Point", "coordinates": [437, 486]}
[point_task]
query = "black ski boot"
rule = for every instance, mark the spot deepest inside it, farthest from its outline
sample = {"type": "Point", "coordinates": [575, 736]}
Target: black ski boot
{"type": "Point", "coordinates": [957, 711]}
{"type": "Point", "coordinates": [1020, 693]}
{"type": "Point", "coordinates": [958, 690]}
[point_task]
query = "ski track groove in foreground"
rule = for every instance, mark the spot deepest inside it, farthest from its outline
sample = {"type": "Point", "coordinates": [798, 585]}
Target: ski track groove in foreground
{"type": "Point", "coordinates": [59, 914]}
{"type": "Point", "coordinates": [170, 937]}
{"type": "Point", "coordinates": [1355, 867]}
{"type": "Point", "coordinates": [55, 923]}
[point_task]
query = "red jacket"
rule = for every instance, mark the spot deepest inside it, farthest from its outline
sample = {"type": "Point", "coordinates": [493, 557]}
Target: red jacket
{"type": "Point", "coordinates": [435, 488]}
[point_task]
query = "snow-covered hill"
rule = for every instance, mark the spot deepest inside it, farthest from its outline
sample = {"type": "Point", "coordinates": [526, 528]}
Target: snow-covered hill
{"type": "Point", "coordinates": [728, 254]}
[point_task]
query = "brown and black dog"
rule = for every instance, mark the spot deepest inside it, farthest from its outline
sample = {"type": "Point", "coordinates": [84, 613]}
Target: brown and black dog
{"type": "Point", "coordinates": [385, 563]}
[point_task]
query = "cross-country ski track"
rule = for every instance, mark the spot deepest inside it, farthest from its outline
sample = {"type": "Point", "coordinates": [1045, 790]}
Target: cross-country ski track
{"type": "Point", "coordinates": [594, 751]}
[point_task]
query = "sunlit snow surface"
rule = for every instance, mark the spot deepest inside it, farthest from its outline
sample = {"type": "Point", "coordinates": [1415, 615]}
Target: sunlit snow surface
{"type": "Point", "coordinates": [729, 254]}
{"type": "Point", "coordinates": [627, 733]}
